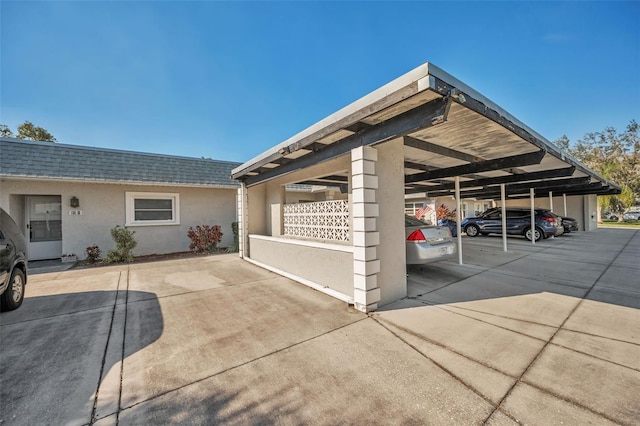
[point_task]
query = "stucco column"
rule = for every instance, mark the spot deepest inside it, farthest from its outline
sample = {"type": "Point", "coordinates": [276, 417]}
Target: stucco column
{"type": "Point", "coordinates": [392, 251]}
{"type": "Point", "coordinates": [366, 238]}
{"type": "Point", "coordinates": [243, 204]}
{"type": "Point", "coordinates": [590, 203]}
{"type": "Point", "coordinates": [275, 198]}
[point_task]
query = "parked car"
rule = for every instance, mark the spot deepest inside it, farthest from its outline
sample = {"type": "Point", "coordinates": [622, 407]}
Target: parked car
{"type": "Point", "coordinates": [13, 263]}
{"type": "Point", "coordinates": [427, 243]}
{"type": "Point", "coordinates": [631, 215]}
{"type": "Point", "coordinates": [451, 224]}
{"type": "Point", "coordinates": [518, 221]}
{"type": "Point", "coordinates": [611, 216]}
{"type": "Point", "coordinates": [569, 224]}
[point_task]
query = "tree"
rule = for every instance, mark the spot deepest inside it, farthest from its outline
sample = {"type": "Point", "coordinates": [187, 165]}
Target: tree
{"type": "Point", "coordinates": [5, 131]}
{"type": "Point", "coordinates": [616, 156]}
{"type": "Point", "coordinates": [27, 130]}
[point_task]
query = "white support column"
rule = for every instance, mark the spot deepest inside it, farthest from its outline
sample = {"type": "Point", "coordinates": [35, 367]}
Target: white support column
{"type": "Point", "coordinates": [458, 219]}
{"type": "Point", "coordinates": [564, 200]}
{"type": "Point", "coordinates": [533, 216]}
{"type": "Point", "coordinates": [503, 199]}
{"type": "Point", "coordinates": [551, 205]}
{"type": "Point", "coordinates": [366, 238]}
{"type": "Point", "coordinates": [243, 225]}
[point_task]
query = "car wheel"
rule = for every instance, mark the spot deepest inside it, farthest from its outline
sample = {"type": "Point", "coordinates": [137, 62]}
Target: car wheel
{"type": "Point", "coordinates": [14, 294]}
{"type": "Point", "coordinates": [472, 231]}
{"type": "Point", "coordinates": [537, 234]}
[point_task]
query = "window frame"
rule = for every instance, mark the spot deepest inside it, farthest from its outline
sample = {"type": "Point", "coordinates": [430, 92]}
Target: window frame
{"type": "Point", "coordinates": [130, 197]}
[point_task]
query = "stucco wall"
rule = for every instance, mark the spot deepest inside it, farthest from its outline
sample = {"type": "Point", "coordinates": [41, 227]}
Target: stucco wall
{"type": "Point", "coordinates": [326, 267]}
{"type": "Point", "coordinates": [103, 207]}
{"type": "Point", "coordinates": [392, 278]}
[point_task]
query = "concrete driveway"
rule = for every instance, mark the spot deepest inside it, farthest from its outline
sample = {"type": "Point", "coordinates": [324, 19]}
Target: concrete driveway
{"type": "Point", "coordinates": [544, 334]}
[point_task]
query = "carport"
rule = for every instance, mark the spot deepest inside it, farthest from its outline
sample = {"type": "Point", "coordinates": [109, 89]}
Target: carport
{"type": "Point", "coordinates": [425, 132]}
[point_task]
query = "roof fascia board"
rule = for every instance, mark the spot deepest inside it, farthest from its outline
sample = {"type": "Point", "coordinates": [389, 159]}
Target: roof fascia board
{"type": "Point", "coordinates": [427, 115]}
{"type": "Point", "coordinates": [445, 83]}
{"type": "Point", "coordinates": [390, 94]}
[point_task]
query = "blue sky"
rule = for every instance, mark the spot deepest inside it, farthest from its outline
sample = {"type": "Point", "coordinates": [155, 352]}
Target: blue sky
{"type": "Point", "coordinates": [228, 80]}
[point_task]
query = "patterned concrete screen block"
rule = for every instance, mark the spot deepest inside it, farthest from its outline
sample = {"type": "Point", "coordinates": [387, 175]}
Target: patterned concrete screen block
{"type": "Point", "coordinates": [324, 220]}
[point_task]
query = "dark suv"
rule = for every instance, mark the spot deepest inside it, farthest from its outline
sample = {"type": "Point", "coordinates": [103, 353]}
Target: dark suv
{"type": "Point", "coordinates": [547, 224]}
{"type": "Point", "coordinates": [13, 263]}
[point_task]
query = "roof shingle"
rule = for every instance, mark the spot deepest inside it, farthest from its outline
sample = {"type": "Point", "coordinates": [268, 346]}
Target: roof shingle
{"type": "Point", "coordinates": [19, 158]}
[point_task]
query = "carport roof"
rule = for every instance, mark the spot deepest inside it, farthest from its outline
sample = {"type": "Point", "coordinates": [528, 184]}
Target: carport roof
{"type": "Point", "coordinates": [448, 130]}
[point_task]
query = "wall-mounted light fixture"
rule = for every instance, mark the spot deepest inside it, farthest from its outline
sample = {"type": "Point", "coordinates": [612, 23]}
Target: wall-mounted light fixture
{"type": "Point", "coordinates": [74, 202]}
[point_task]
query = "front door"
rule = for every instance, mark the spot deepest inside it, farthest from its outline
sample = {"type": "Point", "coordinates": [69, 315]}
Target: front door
{"type": "Point", "coordinates": [44, 226]}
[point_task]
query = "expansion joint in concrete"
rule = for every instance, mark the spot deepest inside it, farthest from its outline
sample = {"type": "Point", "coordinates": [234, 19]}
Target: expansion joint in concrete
{"type": "Point", "coordinates": [548, 342]}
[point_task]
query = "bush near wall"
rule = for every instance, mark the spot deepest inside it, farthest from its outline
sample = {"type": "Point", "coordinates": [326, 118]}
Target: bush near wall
{"type": "Point", "coordinates": [125, 243]}
{"type": "Point", "coordinates": [204, 238]}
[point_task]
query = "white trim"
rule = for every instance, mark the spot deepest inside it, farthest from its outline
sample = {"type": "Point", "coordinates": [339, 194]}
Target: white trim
{"type": "Point", "coordinates": [130, 198]}
{"type": "Point", "coordinates": [115, 182]}
{"type": "Point", "coordinates": [305, 243]}
{"type": "Point", "coordinates": [326, 290]}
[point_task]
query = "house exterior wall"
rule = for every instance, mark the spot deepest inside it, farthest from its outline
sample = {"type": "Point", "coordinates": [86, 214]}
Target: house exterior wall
{"type": "Point", "coordinates": [328, 265]}
{"type": "Point", "coordinates": [103, 207]}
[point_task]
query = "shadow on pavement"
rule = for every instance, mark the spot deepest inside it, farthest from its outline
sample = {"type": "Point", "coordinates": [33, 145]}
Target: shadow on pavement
{"type": "Point", "coordinates": [568, 266]}
{"type": "Point", "coordinates": [54, 350]}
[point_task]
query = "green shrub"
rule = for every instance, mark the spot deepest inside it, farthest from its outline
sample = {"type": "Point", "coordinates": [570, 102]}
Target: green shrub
{"type": "Point", "coordinates": [93, 254]}
{"type": "Point", "coordinates": [236, 239]}
{"type": "Point", "coordinates": [125, 243]}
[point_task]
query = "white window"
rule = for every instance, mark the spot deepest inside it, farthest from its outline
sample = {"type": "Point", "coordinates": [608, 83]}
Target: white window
{"type": "Point", "coordinates": [152, 208]}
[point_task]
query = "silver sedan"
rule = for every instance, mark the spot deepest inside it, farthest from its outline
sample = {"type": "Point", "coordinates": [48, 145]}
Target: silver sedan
{"type": "Point", "coordinates": [426, 243]}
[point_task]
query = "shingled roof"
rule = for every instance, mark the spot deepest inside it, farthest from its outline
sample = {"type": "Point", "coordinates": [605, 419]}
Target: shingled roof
{"type": "Point", "coordinates": [46, 160]}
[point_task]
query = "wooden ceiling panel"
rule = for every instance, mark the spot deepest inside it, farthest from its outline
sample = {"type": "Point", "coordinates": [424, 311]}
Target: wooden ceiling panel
{"type": "Point", "coordinates": [469, 132]}
{"type": "Point", "coordinates": [399, 108]}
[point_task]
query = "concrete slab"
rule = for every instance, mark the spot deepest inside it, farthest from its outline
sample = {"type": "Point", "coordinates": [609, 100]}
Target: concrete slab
{"type": "Point", "coordinates": [428, 278]}
{"type": "Point", "coordinates": [50, 369]}
{"type": "Point", "coordinates": [622, 353]}
{"type": "Point", "coordinates": [606, 320]}
{"type": "Point", "coordinates": [600, 386]}
{"type": "Point", "coordinates": [216, 339]}
{"type": "Point", "coordinates": [533, 406]}
{"type": "Point", "coordinates": [201, 337]}
{"type": "Point", "coordinates": [497, 348]}
{"type": "Point", "coordinates": [499, 418]}
{"type": "Point", "coordinates": [512, 297]}
{"type": "Point", "coordinates": [482, 379]}
{"type": "Point", "coordinates": [358, 374]}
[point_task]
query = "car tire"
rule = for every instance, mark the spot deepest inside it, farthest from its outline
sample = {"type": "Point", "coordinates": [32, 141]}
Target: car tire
{"type": "Point", "coordinates": [537, 233]}
{"type": "Point", "coordinates": [472, 231]}
{"type": "Point", "coordinates": [14, 294]}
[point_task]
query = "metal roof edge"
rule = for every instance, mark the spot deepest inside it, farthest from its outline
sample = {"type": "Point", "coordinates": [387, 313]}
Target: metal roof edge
{"type": "Point", "coordinates": [418, 74]}
{"type": "Point", "coordinates": [551, 148]}
{"type": "Point", "coordinates": [404, 80]}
